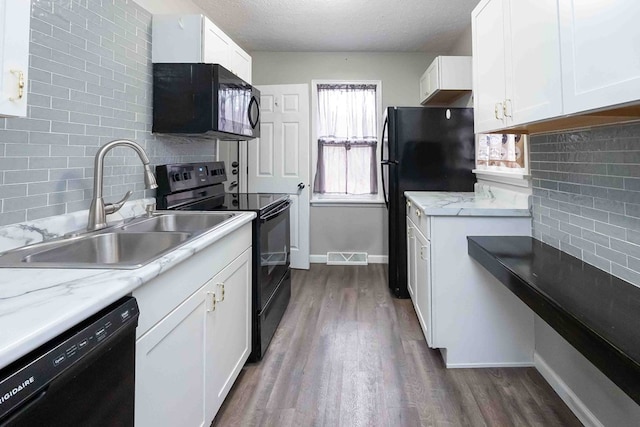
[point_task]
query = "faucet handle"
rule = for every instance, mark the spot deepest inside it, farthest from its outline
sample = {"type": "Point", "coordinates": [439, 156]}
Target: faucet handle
{"type": "Point", "coordinates": [110, 208]}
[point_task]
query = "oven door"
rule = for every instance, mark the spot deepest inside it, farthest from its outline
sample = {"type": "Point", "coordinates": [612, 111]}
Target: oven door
{"type": "Point", "coordinates": [274, 249]}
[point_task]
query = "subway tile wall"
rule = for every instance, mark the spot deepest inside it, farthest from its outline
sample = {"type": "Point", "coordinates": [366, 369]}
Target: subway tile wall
{"type": "Point", "coordinates": [90, 83]}
{"type": "Point", "coordinates": [586, 196]}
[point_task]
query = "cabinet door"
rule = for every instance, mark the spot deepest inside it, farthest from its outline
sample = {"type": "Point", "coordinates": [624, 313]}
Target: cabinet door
{"type": "Point", "coordinates": [228, 330]}
{"type": "Point", "coordinates": [216, 47]}
{"type": "Point", "coordinates": [177, 38]}
{"type": "Point", "coordinates": [241, 63]}
{"type": "Point", "coordinates": [170, 367]}
{"type": "Point", "coordinates": [487, 21]}
{"type": "Point", "coordinates": [14, 56]}
{"type": "Point", "coordinates": [423, 285]}
{"type": "Point", "coordinates": [424, 89]}
{"type": "Point", "coordinates": [534, 90]}
{"type": "Point", "coordinates": [411, 262]}
{"type": "Point", "coordinates": [600, 53]}
{"type": "Point", "coordinates": [433, 76]}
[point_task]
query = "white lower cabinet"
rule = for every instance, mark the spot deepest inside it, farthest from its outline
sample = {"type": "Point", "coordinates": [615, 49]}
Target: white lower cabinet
{"type": "Point", "coordinates": [423, 277]}
{"type": "Point", "coordinates": [227, 330]}
{"type": "Point", "coordinates": [170, 360]}
{"type": "Point", "coordinates": [463, 310]}
{"type": "Point", "coordinates": [411, 263]}
{"type": "Point", "coordinates": [193, 340]}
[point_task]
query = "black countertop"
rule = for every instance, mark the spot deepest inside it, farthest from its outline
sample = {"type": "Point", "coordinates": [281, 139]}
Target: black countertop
{"type": "Point", "coordinates": [599, 314]}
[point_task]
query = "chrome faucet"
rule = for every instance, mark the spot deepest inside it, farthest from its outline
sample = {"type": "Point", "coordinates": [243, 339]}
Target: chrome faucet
{"type": "Point", "coordinates": [98, 209]}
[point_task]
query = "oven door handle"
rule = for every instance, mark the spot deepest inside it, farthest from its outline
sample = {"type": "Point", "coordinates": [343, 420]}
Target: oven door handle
{"type": "Point", "coordinates": [271, 214]}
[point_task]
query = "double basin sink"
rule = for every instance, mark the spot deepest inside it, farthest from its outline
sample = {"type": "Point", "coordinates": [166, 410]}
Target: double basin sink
{"type": "Point", "coordinates": [127, 245]}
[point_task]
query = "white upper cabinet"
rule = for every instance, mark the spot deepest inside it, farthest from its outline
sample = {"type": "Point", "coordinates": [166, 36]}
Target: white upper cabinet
{"type": "Point", "coordinates": [447, 78]}
{"type": "Point", "coordinates": [554, 64]}
{"type": "Point", "coordinates": [600, 53]}
{"type": "Point", "coordinates": [194, 38]}
{"type": "Point", "coordinates": [240, 63]}
{"type": "Point", "coordinates": [216, 45]}
{"type": "Point", "coordinates": [516, 63]}
{"type": "Point", "coordinates": [535, 90]}
{"type": "Point", "coordinates": [14, 56]}
{"type": "Point", "coordinates": [489, 79]}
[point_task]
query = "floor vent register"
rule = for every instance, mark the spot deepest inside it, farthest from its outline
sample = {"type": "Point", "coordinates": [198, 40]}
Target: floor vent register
{"type": "Point", "coordinates": [347, 258]}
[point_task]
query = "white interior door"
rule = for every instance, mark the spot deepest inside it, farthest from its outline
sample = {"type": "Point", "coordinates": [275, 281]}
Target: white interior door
{"type": "Point", "coordinates": [279, 160]}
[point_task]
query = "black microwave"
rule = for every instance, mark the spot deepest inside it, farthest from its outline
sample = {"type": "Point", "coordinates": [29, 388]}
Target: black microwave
{"type": "Point", "coordinates": [204, 99]}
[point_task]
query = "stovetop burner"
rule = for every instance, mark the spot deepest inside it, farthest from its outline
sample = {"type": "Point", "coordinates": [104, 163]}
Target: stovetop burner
{"type": "Point", "coordinates": [257, 202]}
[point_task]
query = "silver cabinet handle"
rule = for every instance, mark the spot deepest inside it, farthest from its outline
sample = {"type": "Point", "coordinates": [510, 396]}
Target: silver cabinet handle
{"type": "Point", "coordinates": [422, 248]}
{"type": "Point", "coordinates": [418, 213]}
{"type": "Point", "coordinates": [221, 285]}
{"type": "Point", "coordinates": [211, 298]}
{"type": "Point", "coordinates": [506, 107]}
{"type": "Point", "coordinates": [409, 231]}
{"type": "Point", "coordinates": [21, 84]}
{"type": "Point", "coordinates": [408, 203]}
{"type": "Point", "coordinates": [499, 110]}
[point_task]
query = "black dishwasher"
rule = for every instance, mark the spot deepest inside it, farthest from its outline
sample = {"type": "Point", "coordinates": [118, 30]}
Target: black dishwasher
{"type": "Point", "coordinates": [85, 376]}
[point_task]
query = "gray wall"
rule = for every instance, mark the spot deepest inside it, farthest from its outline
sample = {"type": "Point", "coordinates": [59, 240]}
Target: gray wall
{"type": "Point", "coordinates": [463, 47]}
{"type": "Point", "coordinates": [586, 196]}
{"type": "Point", "coordinates": [340, 228]}
{"type": "Point", "coordinates": [400, 72]}
{"type": "Point", "coordinates": [90, 82]}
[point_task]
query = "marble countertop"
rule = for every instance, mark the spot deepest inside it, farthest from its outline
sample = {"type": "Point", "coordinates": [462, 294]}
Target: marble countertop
{"type": "Point", "coordinates": [485, 201]}
{"type": "Point", "coordinates": [38, 304]}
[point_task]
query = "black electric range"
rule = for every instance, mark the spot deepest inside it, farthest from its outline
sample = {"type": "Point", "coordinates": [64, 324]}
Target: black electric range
{"type": "Point", "coordinates": [199, 187]}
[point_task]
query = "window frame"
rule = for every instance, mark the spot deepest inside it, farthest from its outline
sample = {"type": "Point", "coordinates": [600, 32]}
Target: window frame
{"type": "Point", "coordinates": [347, 199]}
{"type": "Point", "coordinates": [515, 177]}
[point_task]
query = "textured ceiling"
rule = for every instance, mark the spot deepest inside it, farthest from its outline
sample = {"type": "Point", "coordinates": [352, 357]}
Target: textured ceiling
{"type": "Point", "coordinates": [342, 25]}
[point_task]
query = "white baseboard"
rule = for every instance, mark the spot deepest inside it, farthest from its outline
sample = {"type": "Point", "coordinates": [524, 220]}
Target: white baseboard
{"type": "Point", "coordinates": [489, 365]}
{"type": "Point", "coordinates": [373, 259]}
{"type": "Point", "coordinates": [574, 403]}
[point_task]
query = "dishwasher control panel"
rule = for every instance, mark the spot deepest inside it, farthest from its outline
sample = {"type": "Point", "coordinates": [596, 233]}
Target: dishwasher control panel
{"type": "Point", "coordinates": [32, 373]}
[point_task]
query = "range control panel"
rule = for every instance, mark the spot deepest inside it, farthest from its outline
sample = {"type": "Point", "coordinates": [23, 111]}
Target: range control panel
{"type": "Point", "coordinates": [39, 368]}
{"type": "Point", "coordinates": [186, 176]}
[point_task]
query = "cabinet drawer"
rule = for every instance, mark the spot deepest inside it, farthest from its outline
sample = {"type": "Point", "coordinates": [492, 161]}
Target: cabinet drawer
{"type": "Point", "coordinates": [421, 221]}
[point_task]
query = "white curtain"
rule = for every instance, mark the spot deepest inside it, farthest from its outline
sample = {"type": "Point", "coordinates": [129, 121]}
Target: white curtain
{"type": "Point", "coordinates": [347, 139]}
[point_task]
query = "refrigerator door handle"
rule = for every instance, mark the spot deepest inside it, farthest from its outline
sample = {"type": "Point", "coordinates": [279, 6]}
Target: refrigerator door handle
{"type": "Point", "coordinates": [384, 128]}
{"type": "Point", "coordinates": [384, 162]}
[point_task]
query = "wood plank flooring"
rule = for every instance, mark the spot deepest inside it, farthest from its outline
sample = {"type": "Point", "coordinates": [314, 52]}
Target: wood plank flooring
{"type": "Point", "coordinates": [348, 354]}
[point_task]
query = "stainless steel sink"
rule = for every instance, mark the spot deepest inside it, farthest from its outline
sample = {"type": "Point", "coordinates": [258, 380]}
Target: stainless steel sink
{"type": "Point", "coordinates": [190, 222]}
{"type": "Point", "coordinates": [127, 246]}
{"type": "Point", "coordinates": [106, 250]}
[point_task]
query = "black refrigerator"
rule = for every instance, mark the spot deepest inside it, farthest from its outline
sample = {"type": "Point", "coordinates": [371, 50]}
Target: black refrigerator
{"type": "Point", "coordinates": [423, 149]}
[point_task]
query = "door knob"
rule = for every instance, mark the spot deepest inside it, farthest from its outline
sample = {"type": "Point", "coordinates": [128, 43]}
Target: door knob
{"type": "Point", "coordinates": [301, 186]}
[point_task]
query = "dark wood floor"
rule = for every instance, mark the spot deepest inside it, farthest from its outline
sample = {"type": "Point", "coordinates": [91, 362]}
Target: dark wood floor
{"type": "Point", "coordinates": [348, 354]}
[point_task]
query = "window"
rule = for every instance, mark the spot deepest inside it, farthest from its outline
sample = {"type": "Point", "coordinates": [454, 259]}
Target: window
{"type": "Point", "coordinates": [346, 129]}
